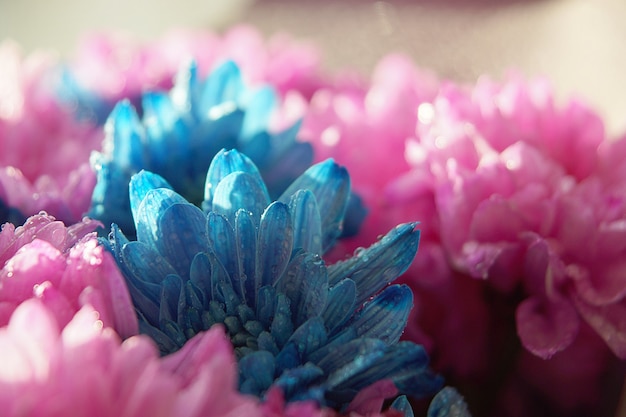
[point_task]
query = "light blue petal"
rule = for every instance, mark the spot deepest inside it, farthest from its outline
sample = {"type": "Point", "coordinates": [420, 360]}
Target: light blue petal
{"type": "Point", "coordinates": [275, 244]}
{"type": "Point", "coordinates": [375, 267]}
{"type": "Point", "coordinates": [307, 223]}
{"type": "Point", "coordinates": [223, 85]}
{"type": "Point", "coordinates": [385, 317]}
{"type": "Point", "coordinates": [330, 183]}
{"type": "Point", "coordinates": [225, 163]}
{"type": "Point", "coordinates": [309, 337]}
{"type": "Point", "coordinates": [125, 138]}
{"type": "Point", "coordinates": [448, 403]}
{"type": "Point", "coordinates": [181, 235]}
{"type": "Point", "coordinates": [140, 184]}
{"type": "Point", "coordinates": [240, 190]}
{"type": "Point", "coordinates": [151, 208]}
{"type": "Point", "coordinates": [259, 108]}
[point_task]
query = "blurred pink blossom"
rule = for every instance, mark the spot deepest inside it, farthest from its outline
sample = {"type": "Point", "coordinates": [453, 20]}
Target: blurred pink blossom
{"type": "Point", "coordinates": [44, 150]}
{"type": "Point", "coordinates": [66, 269]}
{"type": "Point", "coordinates": [521, 208]}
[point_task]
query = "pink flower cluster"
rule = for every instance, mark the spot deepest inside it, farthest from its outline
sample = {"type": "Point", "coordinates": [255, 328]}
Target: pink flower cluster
{"type": "Point", "coordinates": [521, 203]}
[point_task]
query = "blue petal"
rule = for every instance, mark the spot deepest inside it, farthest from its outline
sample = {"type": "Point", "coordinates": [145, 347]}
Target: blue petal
{"type": "Point", "coordinates": [385, 317]}
{"type": "Point", "coordinates": [225, 163]}
{"type": "Point", "coordinates": [351, 359]}
{"type": "Point", "coordinates": [307, 223]}
{"type": "Point", "coordinates": [306, 285]}
{"type": "Point", "coordinates": [149, 212]}
{"type": "Point", "coordinates": [340, 305]}
{"type": "Point", "coordinates": [448, 403]}
{"type": "Point", "coordinates": [282, 326]}
{"type": "Point", "coordinates": [258, 111]}
{"type": "Point", "coordinates": [171, 293]}
{"type": "Point", "coordinates": [240, 190]}
{"type": "Point", "coordinates": [330, 183]}
{"type": "Point", "coordinates": [145, 266]}
{"type": "Point", "coordinates": [296, 383]}
{"type": "Point", "coordinates": [224, 84]}
{"type": "Point", "coordinates": [309, 337]}
{"type": "Point", "coordinates": [275, 244]}
{"type": "Point", "coordinates": [222, 242]}
{"type": "Point", "coordinates": [181, 235]}
{"type": "Point", "coordinates": [140, 184]}
{"type": "Point", "coordinates": [125, 137]}
{"type": "Point", "coordinates": [403, 405]}
{"type": "Point", "coordinates": [256, 372]}
{"type": "Point", "coordinates": [375, 267]}
{"type": "Point", "coordinates": [245, 231]}
{"type": "Point", "coordinates": [398, 363]}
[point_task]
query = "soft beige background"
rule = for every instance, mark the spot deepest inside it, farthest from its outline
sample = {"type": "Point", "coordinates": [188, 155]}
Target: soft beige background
{"type": "Point", "coordinates": [578, 44]}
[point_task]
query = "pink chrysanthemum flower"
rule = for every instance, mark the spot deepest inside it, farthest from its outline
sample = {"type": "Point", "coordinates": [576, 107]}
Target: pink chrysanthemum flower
{"type": "Point", "coordinates": [44, 151]}
{"type": "Point", "coordinates": [84, 369]}
{"type": "Point", "coordinates": [66, 269]}
{"type": "Point", "coordinates": [516, 213]}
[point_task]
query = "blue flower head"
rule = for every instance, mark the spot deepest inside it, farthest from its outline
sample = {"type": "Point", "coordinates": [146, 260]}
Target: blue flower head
{"type": "Point", "coordinates": [181, 131]}
{"type": "Point", "coordinates": [252, 265]}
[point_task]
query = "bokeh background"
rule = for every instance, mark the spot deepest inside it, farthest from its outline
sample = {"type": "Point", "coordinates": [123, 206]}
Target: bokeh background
{"type": "Point", "coordinates": [578, 44]}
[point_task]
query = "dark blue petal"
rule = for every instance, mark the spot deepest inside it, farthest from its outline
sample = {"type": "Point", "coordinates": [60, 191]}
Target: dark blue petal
{"type": "Point", "coordinates": [296, 383]}
{"type": "Point", "coordinates": [330, 183]}
{"type": "Point", "coordinates": [171, 294]}
{"type": "Point", "coordinates": [349, 360]}
{"type": "Point", "coordinates": [265, 305]}
{"type": "Point", "coordinates": [222, 242]}
{"type": "Point", "coordinates": [225, 163]}
{"type": "Point", "coordinates": [340, 305]}
{"type": "Point", "coordinates": [375, 267]}
{"type": "Point", "coordinates": [200, 274]}
{"type": "Point", "coordinates": [306, 285]}
{"type": "Point", "coordinates": [140, 184]}
{"type": "Point", "coordinates": [356, 212]}
{"type": "Point", "coordinates": [181, 235]}
{"type": "Point", "coordinates": [240, 190]}
{"type": "Point", "coordinates": [154, 204]}
{"type": "Point", "coordinates": [146, 267]}
{"type": "Point", "coordinates": [307, 223]}
{"type": "Point", "coordinates": [309, 337]}
{"type": "Point", "coordinates": [245, 232]}
{"type": "Point", "coordinates": [256, 372]}
{"type": "Point", "coordinates": [282, 326]}
{"type": "Point", "coordinates": [385, 317]}
{"type": "Point", "coordinates": [274, 245]}
{"type": "Point", "coordinates": [448, 403]}
{"type": "Point", "coordinates": [406, 365]}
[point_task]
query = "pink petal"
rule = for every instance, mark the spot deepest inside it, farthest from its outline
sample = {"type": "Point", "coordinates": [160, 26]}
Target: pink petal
{"type": "Point", "coordinates": [370, 399]}
{"type": "Point", "coordinates": [544, 327]}
{"type": "Point", "coordinates": [609, 322]}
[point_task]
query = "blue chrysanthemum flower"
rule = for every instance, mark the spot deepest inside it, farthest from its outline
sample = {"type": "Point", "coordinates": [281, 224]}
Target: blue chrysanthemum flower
{"type": "Point", "coordinates": [252, 265]}
{"type": "Point", "coordinates": [180, 132]}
